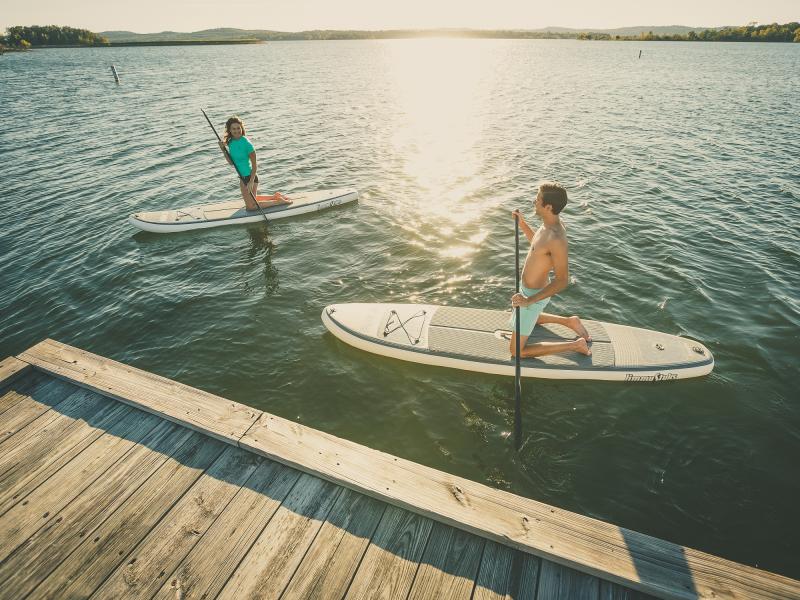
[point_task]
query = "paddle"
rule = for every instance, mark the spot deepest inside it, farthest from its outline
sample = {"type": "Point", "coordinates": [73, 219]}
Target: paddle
{"type": "Point", "coordinates": [517, 372]}
{"type": "Point", "coordinates": [227, 155]}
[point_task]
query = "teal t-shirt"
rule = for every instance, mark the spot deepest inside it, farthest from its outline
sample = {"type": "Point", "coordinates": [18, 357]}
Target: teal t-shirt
{"type": "Point", "coordinates": [240, 154]}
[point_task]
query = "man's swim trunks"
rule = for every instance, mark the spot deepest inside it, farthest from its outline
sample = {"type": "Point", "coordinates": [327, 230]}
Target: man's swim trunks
{"type": "Point", "coordinates": [528, 315]}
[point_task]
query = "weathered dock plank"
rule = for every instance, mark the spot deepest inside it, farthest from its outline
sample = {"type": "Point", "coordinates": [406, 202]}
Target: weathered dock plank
{"type": "Point", "coordinates": [632, 559]}
{"type": "Point", "coordinates": [168, 543]}
{"type": "Point", "coordinates": [557, 581]}
{"type": "Point", "coordinates": [209, 565]}
{"type": "Point", "coordinates": [25, 518]}
{"type": "Point", "coordinates": [612, 591]}
{"type": "Point", "coordinates": [40, 554]}
{"type": "Point", "coordinates": [332, 560]}
{"type": "Point", "coordinates": [28, 404]}
{"type": "Point", "coordinates": [636, 561]}
{"type": "Point", "coordinates": [190, 407]}
{"type": "Point", "coordinates": [20, 389]}
{"type": "Point", "coordinates": [391, 561]}
{"type": "Point", "coordinates": [506, 574]}
{"type": "Point", "coordinates": [449, 565]}
{"type": "Point", "coordinates": [10, 369]}
{"type": "Point", "coordinates": [275, 555]}
{"type": "Point", "coordinates": [48, 443]}
{"type": "Point", "coordinates": [100, 553]}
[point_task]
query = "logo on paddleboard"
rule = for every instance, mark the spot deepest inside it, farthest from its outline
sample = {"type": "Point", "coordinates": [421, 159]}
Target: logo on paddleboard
{"type": "Point", "coordinates": [330, 204]}
{"type": "Point", "coordinates": [653, 378]}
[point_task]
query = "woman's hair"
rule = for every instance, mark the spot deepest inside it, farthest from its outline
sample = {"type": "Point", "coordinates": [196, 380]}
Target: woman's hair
{"type": "Point", "coordinates": [228, 123]}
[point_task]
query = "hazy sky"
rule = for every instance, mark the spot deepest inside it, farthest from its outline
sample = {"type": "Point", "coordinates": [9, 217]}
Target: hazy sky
{"type": "Point", "coordinates": [294, 15]}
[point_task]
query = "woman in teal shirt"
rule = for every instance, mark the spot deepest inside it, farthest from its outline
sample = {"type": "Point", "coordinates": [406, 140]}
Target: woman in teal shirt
{"type": "Point", "coordinates": [241, 153]}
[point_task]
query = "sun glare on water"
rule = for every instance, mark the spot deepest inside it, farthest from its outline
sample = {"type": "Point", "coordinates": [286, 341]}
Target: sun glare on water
{"type": "Point", "coordinates": [442, 90]}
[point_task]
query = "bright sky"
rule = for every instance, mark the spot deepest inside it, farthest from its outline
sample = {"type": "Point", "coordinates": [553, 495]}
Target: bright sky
{"type": "Point", "coordinates": [145, 16]}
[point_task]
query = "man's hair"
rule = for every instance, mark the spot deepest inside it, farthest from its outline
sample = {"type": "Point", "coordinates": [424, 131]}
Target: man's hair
{"type": "Point", "coordinates": [554, 195]}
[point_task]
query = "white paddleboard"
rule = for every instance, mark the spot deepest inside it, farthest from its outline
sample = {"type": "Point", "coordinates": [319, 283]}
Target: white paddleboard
{"type": "Point", "coordinates": [478, 340]}
{"type": "Point", "coordinates": [204, 216]}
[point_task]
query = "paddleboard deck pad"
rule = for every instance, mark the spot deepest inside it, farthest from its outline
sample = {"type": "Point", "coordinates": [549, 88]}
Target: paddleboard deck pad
{"type": "Point", "coordinates": [204, 216]}
{"type": "Point", "coordinates": [478, 340]}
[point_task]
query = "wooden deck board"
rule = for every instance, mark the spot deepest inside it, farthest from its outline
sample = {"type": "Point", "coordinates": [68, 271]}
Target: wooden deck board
{"type": "Point", "coordinates": [632, 559]}
{"type": "Point", "coordinates": [557, 581]}
{"type": "Point", "coordinates": [187, 406]}
{"type": "Point", "coordinates": [20, 388]}
{"type": "Point", "coordinates": [147, 568]}
{"type": "Point", "coordinates": [592, 547]}
{"type": "Point", "coordinates": [332, 560]}
{"type": "Point", "coordinates": [209, 565]}
{"type": "Point", "coordinates": [48, 443]}
{"type": "Point", "coordinates": [40, 554]}
{"type": "Point", "coordinates": [449, 565]}
{"type": "Point", "coordinates": [25, 518]}
{"type": "Point", "coordinates": [506, 574]}
{"type": "Point", "coordinates": [612, 591]}
{"type": "Point", "coordinates": [391, 561]}
{"type": "Point", "coordinates": [85, 569]}
{"type": "Point", "coordinates": [26, 406]}
{"type": "Point", "coordinates": [269, 565]}
{"type": "Point", "coordinates": [10, 369]}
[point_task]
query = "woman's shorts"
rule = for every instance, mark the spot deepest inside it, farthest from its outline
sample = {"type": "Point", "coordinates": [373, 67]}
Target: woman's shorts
{"type": "Point", "coordinates": [244, 179]}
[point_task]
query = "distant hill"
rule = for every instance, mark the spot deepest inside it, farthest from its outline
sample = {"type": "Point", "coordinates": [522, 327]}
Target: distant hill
{"type": "Point", "coordinates": [222, 33]}
{"type": "Point", "coordinates": [228, 33]}
{"type": "Point", "coordinates": [656, 29]}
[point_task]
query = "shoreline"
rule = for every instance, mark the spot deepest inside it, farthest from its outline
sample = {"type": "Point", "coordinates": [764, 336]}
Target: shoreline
{"type": "Point", "coordinates": [255, 42]}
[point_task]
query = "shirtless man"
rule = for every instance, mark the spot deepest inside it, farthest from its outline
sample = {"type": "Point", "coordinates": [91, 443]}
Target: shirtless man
{"type": "Point", "coordinates": [548, 252]}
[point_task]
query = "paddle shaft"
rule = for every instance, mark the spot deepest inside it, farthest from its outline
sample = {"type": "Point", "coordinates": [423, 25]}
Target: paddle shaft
{"type": "Point", "coordinates": [517, 369]}
{"type": "Point", "coordinates": [227, 156]}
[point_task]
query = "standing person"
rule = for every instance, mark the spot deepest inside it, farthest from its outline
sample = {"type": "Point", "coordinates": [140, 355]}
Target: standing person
{"type": "Point", "coordinates": [548, 252]}
{"type": "Point", "coordinates": [241, 153]}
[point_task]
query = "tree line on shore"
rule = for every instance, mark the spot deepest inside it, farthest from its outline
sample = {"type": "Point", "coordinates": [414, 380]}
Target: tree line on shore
{"type": "Point", "coordinates": [22, 37]}
{"type": "Point", "coordinates": [788, 32]}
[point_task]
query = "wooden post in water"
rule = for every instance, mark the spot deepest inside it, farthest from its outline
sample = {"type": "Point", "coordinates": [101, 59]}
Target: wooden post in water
{"type": "Point", "coordinates": [116, 76]}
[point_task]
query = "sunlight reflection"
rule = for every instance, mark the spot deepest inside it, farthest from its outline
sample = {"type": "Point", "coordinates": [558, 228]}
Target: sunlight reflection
{"type": "Point", "coordinates": [442, 89]}
{"type": "Point", "coordinates": [442, 92]}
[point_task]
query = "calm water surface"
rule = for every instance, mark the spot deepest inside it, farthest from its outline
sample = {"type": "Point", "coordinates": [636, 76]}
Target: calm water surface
{"type": "Point", "coordinates": [682, 169]}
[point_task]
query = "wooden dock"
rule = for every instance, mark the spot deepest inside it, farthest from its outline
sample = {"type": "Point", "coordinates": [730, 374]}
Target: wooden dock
{"type": "Point", "coordinates": [117, 483]}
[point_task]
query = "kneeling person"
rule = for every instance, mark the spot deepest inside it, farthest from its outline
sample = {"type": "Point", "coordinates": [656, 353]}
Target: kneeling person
{"type": "Point", "coordinates": [548, 252]}
{"type": "Point", "coordinates": [241, 154]}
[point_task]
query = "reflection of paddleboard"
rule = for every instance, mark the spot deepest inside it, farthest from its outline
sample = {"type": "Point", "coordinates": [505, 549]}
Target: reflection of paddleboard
{"type": "Point", "coordinates": [477, 340]}
{"type": "Point", "coordinates": [233, 213]}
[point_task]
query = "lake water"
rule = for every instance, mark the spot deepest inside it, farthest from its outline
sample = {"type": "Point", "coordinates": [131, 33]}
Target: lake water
{"type": "Point", "coordinates": [683, 169]}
